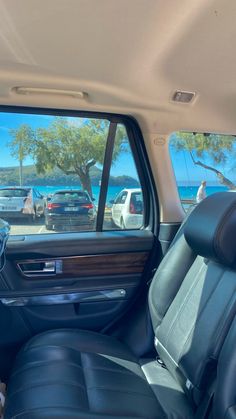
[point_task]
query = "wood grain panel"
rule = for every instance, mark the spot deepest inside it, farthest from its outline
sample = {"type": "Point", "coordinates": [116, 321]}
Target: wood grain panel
{"type": "Point", "coordinates": [90, 265]}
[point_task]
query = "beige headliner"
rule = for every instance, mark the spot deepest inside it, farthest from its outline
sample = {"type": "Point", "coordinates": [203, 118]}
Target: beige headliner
{"type": "Point", "coordinates": [129, 56]}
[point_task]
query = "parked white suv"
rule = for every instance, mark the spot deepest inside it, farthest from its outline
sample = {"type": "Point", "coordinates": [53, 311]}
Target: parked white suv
{"type": "Point", "coordinates": [127, 209]}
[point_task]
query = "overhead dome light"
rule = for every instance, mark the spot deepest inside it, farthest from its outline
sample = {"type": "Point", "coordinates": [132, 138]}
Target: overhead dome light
{"type": "Point", "coordinates": [20, 90]}
{"type": "Point", "coordinates": [181, 96]}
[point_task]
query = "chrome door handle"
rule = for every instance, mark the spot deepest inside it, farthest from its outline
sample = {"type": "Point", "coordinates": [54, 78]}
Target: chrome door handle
{"type": "Point", "coordinates": [50, 267]}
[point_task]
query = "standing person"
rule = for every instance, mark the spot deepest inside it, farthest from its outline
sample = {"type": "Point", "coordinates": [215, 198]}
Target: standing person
{"type": "Point", "coordinates": [201, 193]}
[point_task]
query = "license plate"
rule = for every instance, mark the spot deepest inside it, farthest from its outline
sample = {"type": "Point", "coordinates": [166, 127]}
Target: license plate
{"type": "Point", "coordinates": [71, 209]}
{"type": "Point", "coordinates": [9, 208]}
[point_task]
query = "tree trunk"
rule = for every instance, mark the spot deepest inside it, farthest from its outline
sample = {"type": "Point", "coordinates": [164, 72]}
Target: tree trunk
{"type": "Point", "coordinates": [86, 183]}
{"type": "Point", "coordinates": [21, 172]}
{"type": "Point", "coordinates": [83, 174]}
{"type": "Point", "coordinates": [222, 179]}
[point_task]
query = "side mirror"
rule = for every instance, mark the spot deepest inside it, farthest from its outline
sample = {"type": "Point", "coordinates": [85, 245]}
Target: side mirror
{"type": "Point", "coordinates": [93, 199]}
{"type": "Point", "coordinates": [112, 201]}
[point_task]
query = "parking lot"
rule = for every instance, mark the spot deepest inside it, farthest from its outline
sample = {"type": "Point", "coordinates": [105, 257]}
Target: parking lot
{"type": "Point", "coordinates": [21, 227]}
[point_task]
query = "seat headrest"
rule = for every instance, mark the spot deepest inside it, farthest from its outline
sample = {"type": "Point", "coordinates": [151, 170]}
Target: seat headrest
{"type": "Point", "coordinates": [211, 228]}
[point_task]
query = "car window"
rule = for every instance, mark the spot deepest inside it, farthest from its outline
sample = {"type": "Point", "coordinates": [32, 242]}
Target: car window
{"type": "Point", "coordinates": [116, 200]}
{"type": "Point", "coordinates": [121, 198]}
{"type": "Point", "coordinates": [123, 186]}
{"type": "Point", "coordinates": [136, 203]}
{"type": "Point", "coordinates": [70, 197]}
{"type": "Point", "coordinates": [14, 193]}
{"type": "Point", "coordinates": [69, 182]}
{"type": "Point", "coordinates": [204, 163]}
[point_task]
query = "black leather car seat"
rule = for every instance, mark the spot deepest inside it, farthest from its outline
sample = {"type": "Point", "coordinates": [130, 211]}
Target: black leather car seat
{"type": "Point", "coordinates": [224, 400]}
{"type": "Point", "coordinates": [192, 301]}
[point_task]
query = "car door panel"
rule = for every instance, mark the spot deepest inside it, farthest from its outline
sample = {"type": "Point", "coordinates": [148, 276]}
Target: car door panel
{"type": "Point", "coordinates": [99, 274]}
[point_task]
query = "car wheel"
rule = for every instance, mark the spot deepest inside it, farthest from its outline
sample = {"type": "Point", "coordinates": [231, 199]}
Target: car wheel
{"type": "Point", "coordinates": [48, 226]}
{"type": "Point", "coordinates": [122, 224]}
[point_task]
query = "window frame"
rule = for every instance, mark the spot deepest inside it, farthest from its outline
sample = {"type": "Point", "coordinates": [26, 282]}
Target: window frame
{"type": "Point", "coordinates": [139, 154]}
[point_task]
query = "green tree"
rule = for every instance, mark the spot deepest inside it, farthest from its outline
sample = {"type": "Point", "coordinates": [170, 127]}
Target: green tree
{"type": "Point", "coordinates": [20, 145]}
{"type": "Point", "coordinates": [216, 148]}
{"type": "Point", "coordinates": [73, 148]}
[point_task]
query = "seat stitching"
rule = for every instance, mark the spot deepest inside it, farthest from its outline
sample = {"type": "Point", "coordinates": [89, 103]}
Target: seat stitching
{"type": "Point", "coordinates": [68, 331]}
{"type": "Point", "coordinates": [110, 370]}
{"type": "Point", "coordinates": [78, 351]}
{"type": "Point", "coordinates": [42, 364]}
{"type": "Point", "coordinates": [47, 383]}
{"type": "Point", "coordinates": [56, 331]}
{"type": "Point", "coordinates": [38, 409]}
{"type": "Point", "coordinates": [103, 388]}
{"type": "Point", "coordinates": [53, 346]}
{"type": "Point", "coordinates": [69, 408]}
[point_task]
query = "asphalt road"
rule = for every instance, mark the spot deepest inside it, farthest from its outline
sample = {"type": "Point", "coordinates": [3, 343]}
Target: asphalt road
{"type": "Point", "coordinates": [26, 227]}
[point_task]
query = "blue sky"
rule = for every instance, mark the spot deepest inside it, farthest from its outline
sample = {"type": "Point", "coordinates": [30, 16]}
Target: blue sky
{"type": "Point", "coordinates": [123, 165]}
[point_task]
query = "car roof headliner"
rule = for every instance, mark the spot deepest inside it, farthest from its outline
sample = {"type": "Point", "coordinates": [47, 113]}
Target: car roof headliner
{"type": "Point", "coordinates": [129, 56]}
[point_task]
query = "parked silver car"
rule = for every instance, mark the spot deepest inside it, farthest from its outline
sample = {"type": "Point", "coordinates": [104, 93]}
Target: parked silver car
{"type": "Point", "coordinates": [18, 202]}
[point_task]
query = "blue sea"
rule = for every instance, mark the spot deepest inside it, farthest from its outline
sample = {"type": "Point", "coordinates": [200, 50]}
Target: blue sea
{"type": "Point", "coordinates": [190, 192]}
{"type": "Point", "coordinates": [185, 192]}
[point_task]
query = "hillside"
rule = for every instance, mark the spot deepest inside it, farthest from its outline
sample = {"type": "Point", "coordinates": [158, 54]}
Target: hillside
{"type": "Point", "coordinates": [10, 176]}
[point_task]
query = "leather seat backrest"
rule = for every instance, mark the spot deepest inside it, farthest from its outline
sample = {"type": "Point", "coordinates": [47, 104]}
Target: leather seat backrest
{"type": "Point", "coordinates": [169, 276]}
{"type": "Point", "coordinates": [224, 402]}
{"type": "Point", "coordinates": [190, 331]}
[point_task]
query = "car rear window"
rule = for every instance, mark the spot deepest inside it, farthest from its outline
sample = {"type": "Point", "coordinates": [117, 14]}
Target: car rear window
{"type": "Point", "coordinates": [14, 193]}
{"type": "Point", "coordinates": [70, 196]}
{"type": "Point", "coordinates": [137, 196]}
{"type": "Point", "coordinates": [137, 202]}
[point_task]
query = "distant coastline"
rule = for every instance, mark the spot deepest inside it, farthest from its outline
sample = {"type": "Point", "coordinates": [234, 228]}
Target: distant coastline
{"type": "Point", "coordinates": [10, 176]}
{"type": "Point", "coordinates": [56, 179]}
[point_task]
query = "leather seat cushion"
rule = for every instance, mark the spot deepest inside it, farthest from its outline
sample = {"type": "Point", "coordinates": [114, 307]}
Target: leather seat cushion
{"type": "Point", "coordinates": [72, 373]}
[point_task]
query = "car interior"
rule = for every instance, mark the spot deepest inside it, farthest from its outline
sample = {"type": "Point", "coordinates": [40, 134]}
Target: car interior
{"type": "Point", "coordinates": [117, 322]}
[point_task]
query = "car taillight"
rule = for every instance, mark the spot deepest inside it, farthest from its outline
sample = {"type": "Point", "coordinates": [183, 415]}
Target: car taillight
{"type": "Point", "coordinates": [52, 206]}
{"type": "Point", "coordinates": [132, 209]}
{"type": "Point", "coordinates": [89, 206]}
